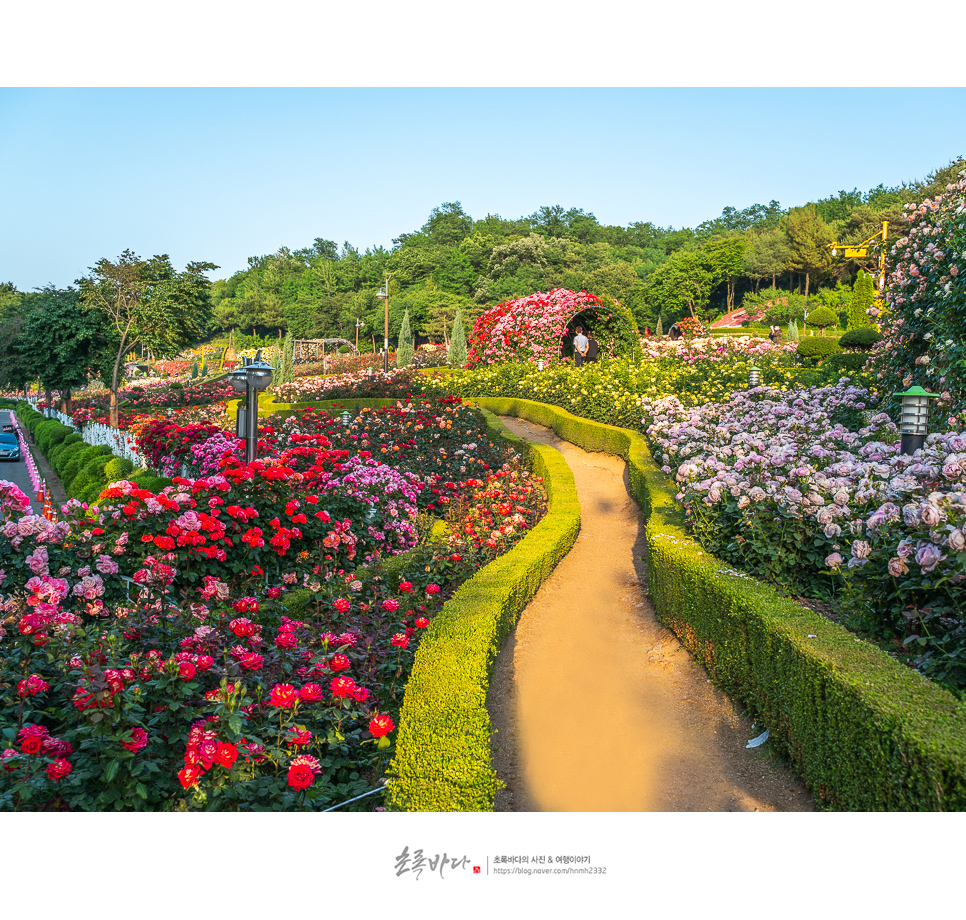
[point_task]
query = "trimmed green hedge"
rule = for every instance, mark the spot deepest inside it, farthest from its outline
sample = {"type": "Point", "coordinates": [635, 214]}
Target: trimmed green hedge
{"type": "Point", "coordinates": [863, 731]}
{"type": "Point", "coordinates": [442, 760]}
{"type": "Point", "coordinates": [818, 346]}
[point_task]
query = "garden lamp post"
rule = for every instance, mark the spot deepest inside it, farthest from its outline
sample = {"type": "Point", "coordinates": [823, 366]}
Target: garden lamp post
{"type": "Point", "coordinates": [346, 419]}
{"type": "Point", "coordinates": [251, 378]}
{"type": "Point", "coordinates": [913, 419]}
{"type": "Point", "coordinates": [754, 376]}
{"type": "Point", "coordinates": [359, 325]}
{"type": "Point", "coordinates": [384, 293]}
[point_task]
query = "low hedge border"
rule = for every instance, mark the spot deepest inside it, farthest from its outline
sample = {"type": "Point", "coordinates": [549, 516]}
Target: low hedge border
{"type": "Point", "coordinates": [81, 467]}
{"type": "Point", "coordinates": [442, 759]}
{"type": "Point", "coordinates": [865, 732]}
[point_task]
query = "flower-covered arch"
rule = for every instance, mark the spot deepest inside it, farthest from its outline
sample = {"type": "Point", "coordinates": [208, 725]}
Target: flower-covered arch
{"type": "Point", "coordinates": [540, 328]}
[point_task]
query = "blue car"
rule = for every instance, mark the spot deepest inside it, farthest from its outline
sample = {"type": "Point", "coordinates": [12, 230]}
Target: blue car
{"type": "Point", "coordinates": [9, 447]}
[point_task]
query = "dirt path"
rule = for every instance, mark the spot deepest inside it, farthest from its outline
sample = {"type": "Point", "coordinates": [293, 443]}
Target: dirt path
{"type": "Point", "coordinates": [596, 706]}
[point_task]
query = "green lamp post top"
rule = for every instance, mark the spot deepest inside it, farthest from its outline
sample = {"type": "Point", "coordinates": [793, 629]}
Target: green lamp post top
{"type": "Point", "coordinates": [917, 391]}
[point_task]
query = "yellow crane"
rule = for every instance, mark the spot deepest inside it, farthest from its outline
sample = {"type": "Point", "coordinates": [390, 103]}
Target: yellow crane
{"type": "Point", "coordinates": [861, 251]}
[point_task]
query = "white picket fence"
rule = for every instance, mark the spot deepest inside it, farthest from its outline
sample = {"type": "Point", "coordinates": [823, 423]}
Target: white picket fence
{"type": "Point", "coordinates": [120, 442]}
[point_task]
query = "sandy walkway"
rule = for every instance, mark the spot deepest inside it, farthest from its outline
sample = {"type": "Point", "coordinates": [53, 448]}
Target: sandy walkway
{"type": "Point", "coordinates": [596, 706]}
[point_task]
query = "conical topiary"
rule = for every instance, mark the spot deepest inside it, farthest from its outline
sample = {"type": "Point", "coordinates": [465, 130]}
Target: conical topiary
{"type": "Point", "coordinates": [287, 368]}
{"type": "Point", "coordinates": [456, 354]}
{"type": "Point", "coordinates": [863, 295]}
{"type": "Point", "coordinates": [404, 350]}
{"type": "Point", "coordinates": [793, 330]}
{"type": "Point", "coordinates": [659, 331]}
{"type": "Point", "coordinates": [194, 369]}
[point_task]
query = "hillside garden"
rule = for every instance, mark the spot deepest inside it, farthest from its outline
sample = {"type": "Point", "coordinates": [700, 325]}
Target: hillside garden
{"type": "Point", "coordinates": [210, 634]}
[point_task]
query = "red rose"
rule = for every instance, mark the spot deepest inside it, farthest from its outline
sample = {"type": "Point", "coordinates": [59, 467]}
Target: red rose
{"type": "Point", "coordinates": [390, 605]}
{"type": "Point", "coordinates": [400, 640]}
{"type": "Point", "coordinates": [187, 670]}
{"type": "Point", "coordinates": [405, 587]}
{"type": "Point", "coordinates": [189, 776]}
{"type": "Point", "coordinates": [59, 769]}
{"type": "Point", "coordinates": [456, 557]}
{"type": "Point", "coordinates": [422, 622]}
{"type": "Point", "coordinates": [360, 694]}
{"type": "Point", "coordinates": [31, 744]}
{"type": "Point", "coordinates": [339, 663]}
{"type": "Point", "coordinates": [380, 725]}
{"type": "Point", "coordinates": [300, 776]}
{"type": "Point", "coordinates": [283, 696]}
{"type": "Point", "coordinates": [342, 686]}
{"type": "Point", "coordinates": [139, 740]}
{"type": "Point", "coordinates": [432, 589]}
{"type": "Point", "coordinates": [226, 755]}
{"type": "Point", "coordinates": [311, 692]}
{"type": "Point", "coordinates": [285, 639]}
{"type": "Point", "coordinates": [342, 605]}
{"type": "Point", "coordinates": [204, 662]}
{"type": "Point", "coordinates": [299, 736]}
{"type": "Point", "coordinates": [242, 627]}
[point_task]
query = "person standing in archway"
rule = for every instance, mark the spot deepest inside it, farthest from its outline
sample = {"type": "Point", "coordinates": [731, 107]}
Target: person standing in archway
{"type": "Point", "coordinates": [581, 344]}
{"type": "Point", "coordinates": [593, 348]}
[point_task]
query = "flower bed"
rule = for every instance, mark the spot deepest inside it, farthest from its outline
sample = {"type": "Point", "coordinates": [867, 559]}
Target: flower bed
{"type": "Point", "coordinates": [924, 333]}
{"type": "Point", "coordinates": [614, 391]}
{"type": "Point", "coordinates": [257, 663]}
{"type": "Point", "coordinates": [361, 385]}
{"type": "Point", "coordinates": [807, 488]}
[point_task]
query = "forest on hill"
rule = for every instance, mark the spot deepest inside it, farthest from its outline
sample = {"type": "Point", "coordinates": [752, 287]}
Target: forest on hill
{"type": "Point", "coordinates": [455, 261]}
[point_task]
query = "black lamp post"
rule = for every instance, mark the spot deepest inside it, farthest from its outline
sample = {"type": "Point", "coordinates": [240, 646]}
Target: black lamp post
{"type": "Point", "coordinates": [384, 293]}
{"type": "Point", "coordinates": [913, 419]}
{"type": "Point", "coordinates": [251, 378]}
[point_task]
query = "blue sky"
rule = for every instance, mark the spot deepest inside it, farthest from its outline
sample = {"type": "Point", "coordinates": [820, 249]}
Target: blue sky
{"type": "Point", "coordinates": [223, 174]}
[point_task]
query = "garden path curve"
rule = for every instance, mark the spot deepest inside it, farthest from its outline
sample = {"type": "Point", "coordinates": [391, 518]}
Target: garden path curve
{"type": "Point", "coordinates": [596, 706]}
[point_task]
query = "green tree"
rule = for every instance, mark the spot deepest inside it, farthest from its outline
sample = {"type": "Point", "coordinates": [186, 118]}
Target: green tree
{"type": "Point", "coordinates": [682, 285]}
{"type": "Point", "coordinates": [61, 343]}
{"type": "Point", "coordinates": [863, 296]}
{"type": "Point", "coordinates": [404, 348]}
{"type": "Point", "coordinates": [725, 259]}
{"type": "Point", "coordinates": [456, 354]}
{"type": "Point", "coordinates": [149, 303]}
{"type": "Point", "coordinates": [766, 255]}
{"type": "Point", "coordinates": [808, 238]}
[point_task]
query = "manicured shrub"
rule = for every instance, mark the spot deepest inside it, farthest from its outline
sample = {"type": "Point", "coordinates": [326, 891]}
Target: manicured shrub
{"type": "Point", "coordinates": [457, 343]}
{"type": "Point", "coordinates": [845, 364]}
{"type": "Point", "coordinates": [822, 318]}
{"type": "Point", "coordinates": [860, 339]}
{"type": "Point", "coordinates": [817, 347]}
{"type": "Point", "coordinates": [404, 351]}
{"type": "Point", "coordinates": [67, 454]}
{"type": "Point", "coordinates": [117, 469]}
{"type": "Point", "coordinates": [78, 484]}
{"type": "Point", "coordinates": [863, 296]}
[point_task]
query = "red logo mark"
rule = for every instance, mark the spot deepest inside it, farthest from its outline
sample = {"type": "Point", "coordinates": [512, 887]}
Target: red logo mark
{"type": "Point", "coordinates": [476, 870]}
